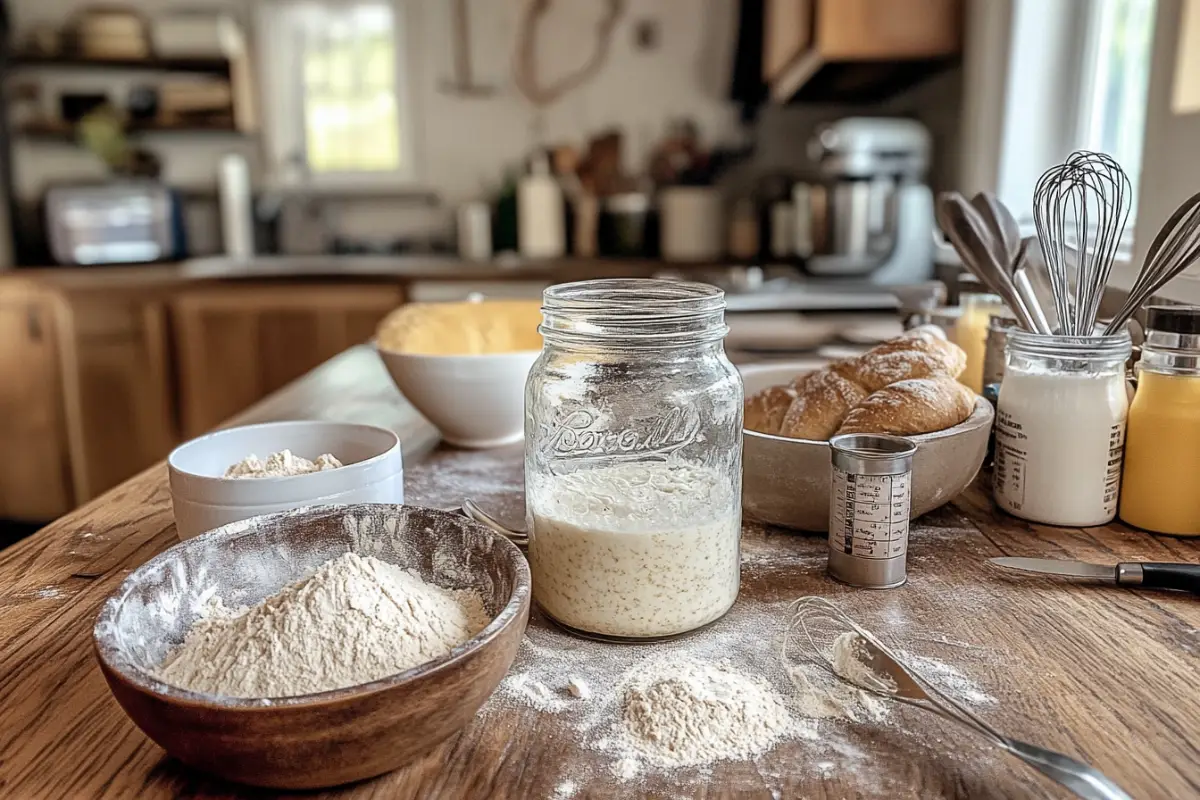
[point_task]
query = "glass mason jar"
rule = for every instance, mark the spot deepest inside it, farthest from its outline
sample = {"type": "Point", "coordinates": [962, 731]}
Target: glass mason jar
{"type": "Point", "coordinates": [1060, 427]}
{"type": "Point", "coordinates": [633, 459]}
{"type": "Point", "coordinates": [1162, 446]}
{"type": "Point", "coordinates": [970, 333]}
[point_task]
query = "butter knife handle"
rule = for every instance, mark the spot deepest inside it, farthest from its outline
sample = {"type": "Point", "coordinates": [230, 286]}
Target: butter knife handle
{"type": "Point", "coordinates": [1184, 577]}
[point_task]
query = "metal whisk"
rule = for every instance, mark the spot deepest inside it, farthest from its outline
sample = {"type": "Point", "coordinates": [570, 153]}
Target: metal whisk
{"type": "Point", "coordinates": [1080, 208]}
{"type": "Point", "coordinates": [817, 624]}
{"type": "Point", "coordinates": [1175, 248]}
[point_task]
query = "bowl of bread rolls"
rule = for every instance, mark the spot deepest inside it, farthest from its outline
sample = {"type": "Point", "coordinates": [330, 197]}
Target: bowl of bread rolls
{"type": "Point", "coordinates": [905, 386]}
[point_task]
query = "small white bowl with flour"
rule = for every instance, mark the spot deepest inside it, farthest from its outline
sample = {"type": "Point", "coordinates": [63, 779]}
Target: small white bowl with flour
{"type": "Point", "coordinates": [203, 498]}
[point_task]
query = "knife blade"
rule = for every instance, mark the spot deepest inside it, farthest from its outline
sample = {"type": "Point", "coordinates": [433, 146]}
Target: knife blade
{"type": "Point", "coordinates": [1152, 575]}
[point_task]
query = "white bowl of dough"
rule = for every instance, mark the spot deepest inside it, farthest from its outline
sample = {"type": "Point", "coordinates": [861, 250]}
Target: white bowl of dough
{"type": "Point", "coordinates": [204, 498]}
{"type": "Point", "coordinates": [464, 365]}
{"type": "Point", "coordinates": [474, 401]}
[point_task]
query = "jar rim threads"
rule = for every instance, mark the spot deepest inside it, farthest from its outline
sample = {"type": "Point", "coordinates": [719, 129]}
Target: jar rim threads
{"type": "Point", "coordinates": [1117, 345]}
{"type": "Point", "coordinates": [633, 312]}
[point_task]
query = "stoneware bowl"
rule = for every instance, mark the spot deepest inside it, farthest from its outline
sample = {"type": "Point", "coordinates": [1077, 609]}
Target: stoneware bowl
{"type": "Point", "coordinates": [324, 739]}
{"type": "Point", "coordinates": [786, 481]}
{"type": "Point", "coordinates": [474, 401]}
{"type": "Point", "coordinates": [203, 499]}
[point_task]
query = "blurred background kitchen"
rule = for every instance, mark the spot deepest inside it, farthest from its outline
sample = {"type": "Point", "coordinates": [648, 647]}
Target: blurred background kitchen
{"type": "Point", "coordinates": [203, 200]}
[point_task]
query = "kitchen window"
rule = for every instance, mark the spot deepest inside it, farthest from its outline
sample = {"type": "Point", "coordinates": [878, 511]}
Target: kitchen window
{"type": "Point", "coordinates": [1047, 77]}
{"type": "Point", "coordinates": [335, 87]}
{"type": "Point", "coordinates": [1112, 116]}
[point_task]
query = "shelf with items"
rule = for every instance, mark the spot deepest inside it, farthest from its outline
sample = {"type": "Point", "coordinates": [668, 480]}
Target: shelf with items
{"type": "Point", "coordinates": [59, 130]}
{"type": "Point", "coordinates": [219, 66]}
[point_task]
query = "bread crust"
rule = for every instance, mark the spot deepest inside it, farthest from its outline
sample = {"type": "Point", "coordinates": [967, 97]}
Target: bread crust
{"type": "Point", "coordinates": [821, 403]}
{"type": "Point", "coordinates": [820, 406]}
{"type": "Point", "coordinates": [911, 407]}
{"type": "Point", "coordinates": [765, 410]}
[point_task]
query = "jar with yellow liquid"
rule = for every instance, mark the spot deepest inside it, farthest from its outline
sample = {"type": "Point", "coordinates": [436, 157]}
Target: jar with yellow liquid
{"type": "Point", "coordinates": [970, 333]}
{"type": "Point", "coordinates": [1160, 486]}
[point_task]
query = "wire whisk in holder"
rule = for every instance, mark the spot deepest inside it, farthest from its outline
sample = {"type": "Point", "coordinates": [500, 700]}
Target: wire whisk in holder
{"type": "Point", "coordinates": [1080, 209]}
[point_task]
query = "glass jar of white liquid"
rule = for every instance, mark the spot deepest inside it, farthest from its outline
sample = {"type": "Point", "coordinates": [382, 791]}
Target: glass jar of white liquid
{"type": "Point", "coordinates": [633, 459]}
{"type": "Point", "coordinates": [1060, 427]}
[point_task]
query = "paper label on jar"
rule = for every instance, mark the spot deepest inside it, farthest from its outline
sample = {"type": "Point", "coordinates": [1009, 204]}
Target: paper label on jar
{"type": "Point", "coordinates": [1012, 456]}
{"type": "Point", "coordinates": [1116, 456]}
{"type": "Point", "coordinates": [870, 514]}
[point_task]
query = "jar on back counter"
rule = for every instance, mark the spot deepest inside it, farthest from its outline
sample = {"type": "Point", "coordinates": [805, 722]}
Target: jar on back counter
{"type": "Point", "coordinates": [633, 459]}
{"type": "Point", "coordinates": [970, 333]}
{"type": "Point", "coordinates": [1060, 427]}
{"type": "Point", "coordinates": [1160, 488]}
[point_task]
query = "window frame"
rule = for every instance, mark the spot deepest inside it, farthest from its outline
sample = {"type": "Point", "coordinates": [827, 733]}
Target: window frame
{"type": "Point", "coordinates": [282, 90]}
{"type": "Point", "coordinates": [1023, 111]}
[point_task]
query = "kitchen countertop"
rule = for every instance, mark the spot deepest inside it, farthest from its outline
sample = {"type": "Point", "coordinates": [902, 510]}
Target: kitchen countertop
{"type": "Point", "coordinates": [1101, 673]}
{"type": "Point", "coordinates": [325, 267]}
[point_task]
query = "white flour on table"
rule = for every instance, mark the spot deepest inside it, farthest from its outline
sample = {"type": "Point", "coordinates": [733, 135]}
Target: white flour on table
{"type": "Point", "coordinates": [821, 711]}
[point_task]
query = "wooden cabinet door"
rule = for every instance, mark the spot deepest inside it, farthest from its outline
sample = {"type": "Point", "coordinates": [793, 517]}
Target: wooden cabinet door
{"type": "Point", "coordinates": [787, 33]}
{"type": "Point", "coordinates": [119, 393]}
{"type": "Point", "coordinates": [35, 482]}
{"type": "Point", "coordinates": [888, 29]}
{"type": "Point", "coordinates": [236, 344]}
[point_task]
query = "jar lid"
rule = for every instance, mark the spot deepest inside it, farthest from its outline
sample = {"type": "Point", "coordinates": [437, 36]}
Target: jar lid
{"type": "Point", "coordinates": [1174, 319]}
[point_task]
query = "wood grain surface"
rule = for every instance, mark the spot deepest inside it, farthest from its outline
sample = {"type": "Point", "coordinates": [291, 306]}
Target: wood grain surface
{"type": "Point", "coordinates": [1105, 674]}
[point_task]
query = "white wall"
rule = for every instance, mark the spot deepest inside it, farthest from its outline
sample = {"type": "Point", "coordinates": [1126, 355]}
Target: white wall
{"type": "Point", "coordinates": [1170, 166]}
{"type": "Point", "coordinates": [464, 145]}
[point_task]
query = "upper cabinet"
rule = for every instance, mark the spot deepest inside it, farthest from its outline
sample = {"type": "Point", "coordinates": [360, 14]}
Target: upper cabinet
{"type": "Point", "coordinates": [856, 50]}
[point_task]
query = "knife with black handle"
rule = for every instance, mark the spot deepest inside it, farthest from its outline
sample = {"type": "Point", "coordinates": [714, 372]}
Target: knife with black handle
{"type": "Point", "coordinates": [1149, 574]}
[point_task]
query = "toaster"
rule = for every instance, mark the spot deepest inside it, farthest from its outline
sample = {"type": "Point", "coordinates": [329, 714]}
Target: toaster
{"type": "Point", "coordinates": [125, 222]}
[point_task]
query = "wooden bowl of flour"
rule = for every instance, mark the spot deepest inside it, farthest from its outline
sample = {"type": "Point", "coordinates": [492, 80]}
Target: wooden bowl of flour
{"type": "Point", "coordinates": [329, 738]}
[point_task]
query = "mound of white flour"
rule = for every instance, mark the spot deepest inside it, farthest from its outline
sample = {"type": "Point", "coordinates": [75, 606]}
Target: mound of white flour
{"type": "Point", "coordinates": [355, 620]}
{"type": "Point", "coordinates": [686, 712]}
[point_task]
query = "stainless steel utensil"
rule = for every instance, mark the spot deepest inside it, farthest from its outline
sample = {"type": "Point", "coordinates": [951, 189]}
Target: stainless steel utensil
{"type": "Point", "coordinates": [1002, 224]}
{"type": "Point", "coordinates": [1028, 294]}
{"type": "Point", "coordinates": [1175, 248]}
{"type": "Point", "coordinates": [1080, 208]}
{"type": "Point", "coordinates": [816, 624]}
{"type": "Point", "coordinates": [519, 537]}
{"type": "Point", "coordinates": [1147, 574]}
{"type": "Point", "coordinates": [977, 247]}
{"type": "Point", "coordinates": [1005, 226]}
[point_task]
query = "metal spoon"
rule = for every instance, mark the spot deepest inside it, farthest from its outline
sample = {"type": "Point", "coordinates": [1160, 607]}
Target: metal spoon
{"type": "Point", "coordinates": [519, 537]}
{"type": "Point", "coordinates": [1003, 226]}
{"type": "Point", "coordinates": [822, 622]}
{"type": "Point", "coordinates": [1175, 248]}
{"type": "Point", "coordinates": [977, 248]}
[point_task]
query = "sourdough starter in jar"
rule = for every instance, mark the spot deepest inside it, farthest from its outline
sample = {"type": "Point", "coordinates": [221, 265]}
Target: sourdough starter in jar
{"type": "Point", "coordinates": [637, 550]}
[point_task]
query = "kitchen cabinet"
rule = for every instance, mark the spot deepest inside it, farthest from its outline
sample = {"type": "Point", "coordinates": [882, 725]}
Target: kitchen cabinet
{"type": "Point", "coordinates": [35, 481]}
{"type": "Point", "coordinates": [237, 343]}
{"type": "Point", "coordinates": [831, 50]}
{"type": "Point", "coordinates": [118, 389]}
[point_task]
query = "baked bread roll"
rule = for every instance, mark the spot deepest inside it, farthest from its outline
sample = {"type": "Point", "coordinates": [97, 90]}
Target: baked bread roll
{"type": "Point", "coordinates": [919, 356]}
{"type": "Point", "coordinates": [907, 408]}
{"type": "Point", "coordinates": [823, 400]}
{"type": "Point", "coordinates": [765, 410]}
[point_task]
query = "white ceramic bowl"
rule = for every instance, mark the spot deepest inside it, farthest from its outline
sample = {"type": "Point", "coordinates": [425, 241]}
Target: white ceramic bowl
{"type": "Point", "coordinates": [202, 499]}
{"type": "Point", "coordinates": [475, 401]}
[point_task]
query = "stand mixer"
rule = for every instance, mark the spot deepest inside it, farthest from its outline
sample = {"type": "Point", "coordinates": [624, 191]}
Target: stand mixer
{"type": "Point", "coordinates": [869, 216]}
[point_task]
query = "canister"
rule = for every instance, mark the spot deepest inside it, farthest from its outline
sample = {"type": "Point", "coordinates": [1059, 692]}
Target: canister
{"type": "Point", "coordinates": [870, 502]}
{"type": "Point", "coordinates": [993, 356]}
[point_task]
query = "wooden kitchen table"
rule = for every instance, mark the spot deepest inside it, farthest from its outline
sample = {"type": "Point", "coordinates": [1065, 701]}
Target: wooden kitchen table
{"type": "Point", "coordinates": [1106, 674]}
